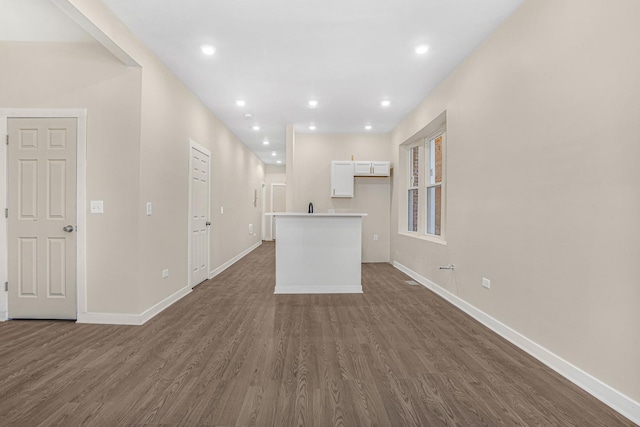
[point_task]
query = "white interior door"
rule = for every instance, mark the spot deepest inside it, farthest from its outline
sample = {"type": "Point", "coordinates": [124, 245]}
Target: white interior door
{"type": "Point", "coordinates": [199, 214]}
{"type": "Point", "coordinates": [278, 204]}
{"type": "Point", "coordinates": [262, 208]}
{"type": "Point", "coordinates": [42, 218]}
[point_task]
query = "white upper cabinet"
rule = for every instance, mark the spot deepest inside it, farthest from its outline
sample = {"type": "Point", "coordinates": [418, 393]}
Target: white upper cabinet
{"type": "Point", "coordinates": [341, 179]}
{"type": "Point", "coordinates": [380, 168]}
{"type": "Point", "coordinates": [344, 171]}
{"type": "Point", "coordinates": [363, 168]}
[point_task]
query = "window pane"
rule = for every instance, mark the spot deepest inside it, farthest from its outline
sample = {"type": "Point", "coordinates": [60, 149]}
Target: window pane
{"type": "Point", "coordinates": [435, 160]}
{"type": "Point", "coordinates": [414, 164]}
{"type": "Point", "coordinates": [412, 210]}
{"type": "Point", "coordinates": [434, 210]}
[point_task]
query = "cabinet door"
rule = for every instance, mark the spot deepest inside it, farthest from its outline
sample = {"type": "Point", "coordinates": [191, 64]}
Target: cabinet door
{"type": "Point", "coordinates": [362, 168]}
{"type": "Point", "coordinates": [380, 168]}
{"type": "Point", "coordinates": [341, 179]}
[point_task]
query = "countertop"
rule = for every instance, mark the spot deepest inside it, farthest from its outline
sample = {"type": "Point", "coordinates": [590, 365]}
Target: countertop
{"type": "Point", "coordinates": [305, 214]}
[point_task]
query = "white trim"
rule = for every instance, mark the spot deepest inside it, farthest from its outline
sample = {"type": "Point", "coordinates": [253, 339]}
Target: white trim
{"type": "Point", "coordinates": [272, 219]}
{"type": "Point", "coordinates": [195, 146]}
{"type": "Point", "coordinates": [425, 237]}
{"type": "Point", "coordinates": [134, 319]}
{"type": "Point", "coordinates": [263, 205]}
{"type": "Point", "coordinates": [603, 392]}
{"type": "Point", "coordinates": [4, 229]}
{"type": "Point", "coordinates": [81, 197]}
{"type": "Point", "coordinates": [233, 260]}
{"type": "Point", "coordinates": [318, 289]}
{"type": "Point", "coordinates": [443, 188]}
{"type": "Point", "coordinates": [109, 318]}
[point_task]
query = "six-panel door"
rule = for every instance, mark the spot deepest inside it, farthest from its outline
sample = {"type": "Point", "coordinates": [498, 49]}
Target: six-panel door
{"type": "Point", "coordinates": [42, 218]}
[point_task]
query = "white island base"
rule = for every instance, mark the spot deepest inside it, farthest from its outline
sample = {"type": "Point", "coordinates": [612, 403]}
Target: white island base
{"type": "Point", "coordinates": [318, 253]}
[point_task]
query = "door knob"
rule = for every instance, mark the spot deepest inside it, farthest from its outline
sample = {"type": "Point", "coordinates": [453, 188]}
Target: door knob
{"type": "Point", "coordinates": [68, 228]}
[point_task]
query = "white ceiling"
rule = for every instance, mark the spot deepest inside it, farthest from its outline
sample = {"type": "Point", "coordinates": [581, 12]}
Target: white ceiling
{"type": "Point", "coordinates": [276, 55]}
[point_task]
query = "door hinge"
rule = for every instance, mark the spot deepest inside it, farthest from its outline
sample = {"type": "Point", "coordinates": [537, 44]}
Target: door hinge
{"type": "Point", "coordinates": [7, 139]}
{"type": "Point", "coordinates": [6, 286]}
{"type": "Point", "coordinates": [6, 212]}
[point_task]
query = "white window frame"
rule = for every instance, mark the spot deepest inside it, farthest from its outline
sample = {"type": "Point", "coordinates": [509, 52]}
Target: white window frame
{"type": "Point", "coordinates": [422, 142]}
{"type": "Point", "coordinates": [427, 185]}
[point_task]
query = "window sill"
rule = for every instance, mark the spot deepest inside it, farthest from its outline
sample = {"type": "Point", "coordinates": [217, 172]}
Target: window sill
{"type": "Point", "coordinates": [424, 237]}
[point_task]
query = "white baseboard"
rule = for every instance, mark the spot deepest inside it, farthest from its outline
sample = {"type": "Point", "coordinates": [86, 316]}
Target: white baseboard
{"type": "Point", "coordinates": [132, 319]}
{"type": "Point", "coordinates": [603, 392]}
{"type": "Point", "coordinates": [109, 318]}
{"type": "Point", "coordinates": [223, 267]}
{"type": "Point", "coordinates": [355, 289]}
{"type": "Point", "coordinates": [4, 316]}
{"type": "Point", "coordinates": [170, 300]}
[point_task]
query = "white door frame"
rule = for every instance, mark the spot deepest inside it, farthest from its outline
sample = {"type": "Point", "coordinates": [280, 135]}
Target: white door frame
{"type": "Point", "coordinates": [192, 145]}
{"type": "Point", "coordinates": [273, 218]}
{"type": "Point", "coordinates": [262, 209]}
{"type": "Point", "coordinates": [81, 199]}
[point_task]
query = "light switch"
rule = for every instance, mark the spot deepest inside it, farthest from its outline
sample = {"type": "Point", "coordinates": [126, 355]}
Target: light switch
{"type": "Point", "coordinates": [149, 209]}
{"type": "Point", "coordinates": [97, 207]}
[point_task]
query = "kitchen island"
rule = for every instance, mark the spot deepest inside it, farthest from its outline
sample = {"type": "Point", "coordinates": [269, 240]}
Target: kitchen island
{"type": "Point", "coordinates": [318, 253]}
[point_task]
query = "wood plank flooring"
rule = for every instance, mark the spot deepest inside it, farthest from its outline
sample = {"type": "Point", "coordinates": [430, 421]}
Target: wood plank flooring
{"type": "Point", "coordinates": [234, 354]}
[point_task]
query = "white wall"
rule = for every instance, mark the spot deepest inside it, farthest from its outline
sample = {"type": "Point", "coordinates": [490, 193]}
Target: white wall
{"type": "Point", "coordinates": [171, 115]}
{"type": "Point", "coordinates": [85, 75]}
{"type": "Point", "coordinates": [140, 121]}
{"type": "Point", "coordinates": [543, 192]}
{"type": "Point", "coordinates": [312, 182]}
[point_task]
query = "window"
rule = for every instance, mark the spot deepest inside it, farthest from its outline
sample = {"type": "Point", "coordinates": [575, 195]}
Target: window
{"type": "Point", "coordinates": [414, 180]}
{"type": "Point", "coordinates": [433, 208]}
{"type": "Point", "coordinates": [425, 186]}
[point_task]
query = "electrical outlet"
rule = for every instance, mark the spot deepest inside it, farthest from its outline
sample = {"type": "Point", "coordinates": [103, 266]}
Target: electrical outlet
{"type": "Point", "coordinates": [165, 273]}
{"type": "Point", "coordinates": [375, 237]}
{"type": "Point", "coordinates": [250, 228]}
{"type": "Point", "coordinates": [97, 207]}
{"type": "Point", "coordinates": [486, 283]}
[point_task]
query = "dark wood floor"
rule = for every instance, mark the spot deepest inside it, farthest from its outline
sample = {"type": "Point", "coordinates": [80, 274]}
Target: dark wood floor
{"type": "Point", "coordinates": [233, 354]}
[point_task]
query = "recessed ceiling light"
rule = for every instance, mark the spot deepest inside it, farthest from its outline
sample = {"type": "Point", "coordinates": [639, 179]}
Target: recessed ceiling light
{"type": "Point", "coordinates": [273, 153]}
{"type": "Point", "coordinates": [385, 103]}
{"type": "Point", "coordinates": [208, 50]}
{"type": "Point", "coordinates": [313, 103]}
{"type": "Point", "coordinates": [256, 127]}
{"type": "Point", "coordinates": [240, 103]}
{"type": "Point", "coordinates": [368, 127]}
{"type": "Point", "coordinates": [279, 162]}
{"type": "Point", "coordinates": [248, 116]}
{"type": "Point", "coordinates": [265, 142]}
{"type": "Point", "coordinates": [422, 49]}
{"type": "Point", "coordinates": [312, 127]}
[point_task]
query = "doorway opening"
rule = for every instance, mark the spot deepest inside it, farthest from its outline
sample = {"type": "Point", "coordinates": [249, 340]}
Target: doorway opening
{"type": "Point", "coordinates": [278, 204]}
